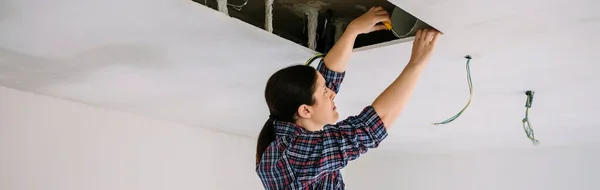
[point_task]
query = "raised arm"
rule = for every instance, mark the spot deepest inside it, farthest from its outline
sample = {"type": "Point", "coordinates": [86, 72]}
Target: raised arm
{"type": "Point", "coordinates": [332, 148]}
{"type": "Point", "coordinates": [390, 103]}
{"type": "Point", "coordinates": [337, 58]}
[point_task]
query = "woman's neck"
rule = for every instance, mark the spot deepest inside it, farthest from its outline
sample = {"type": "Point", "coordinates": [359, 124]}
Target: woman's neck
{"type": "Point", "coordinates": [309, 125]}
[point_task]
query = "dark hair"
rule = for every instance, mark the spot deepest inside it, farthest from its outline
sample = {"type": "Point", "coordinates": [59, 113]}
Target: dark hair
{"type": "Point", "coordinates": [287, 89]}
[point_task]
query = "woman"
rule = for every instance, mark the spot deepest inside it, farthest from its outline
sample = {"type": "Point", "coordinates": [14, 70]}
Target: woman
{"type": "Point", "coordinates": [301, 146]}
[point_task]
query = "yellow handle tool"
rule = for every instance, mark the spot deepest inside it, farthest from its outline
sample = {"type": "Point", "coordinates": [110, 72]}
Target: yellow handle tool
{"type": "Point", "coordinates": [388, 25]}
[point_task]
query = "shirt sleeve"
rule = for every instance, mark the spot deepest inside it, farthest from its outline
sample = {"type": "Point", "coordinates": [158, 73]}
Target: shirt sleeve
{"type": "Point", "coordinates": [332, 78]}
{"type": "Point", "coordinates": [332, 148]}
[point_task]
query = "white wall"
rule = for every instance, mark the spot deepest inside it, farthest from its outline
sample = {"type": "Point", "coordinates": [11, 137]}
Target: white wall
{"type": "Point", "coordinates": [515, 169]}
{"type": "Point", "coordinates": [46, 143]}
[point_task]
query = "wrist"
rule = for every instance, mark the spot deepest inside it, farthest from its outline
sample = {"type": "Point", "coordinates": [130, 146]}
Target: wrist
{"type": "Point", "coordinates": [413, 62]}
{"type": "Point", "coordinates": [348, 37]}
{"type": "Point", "coordinates": [351, 31]}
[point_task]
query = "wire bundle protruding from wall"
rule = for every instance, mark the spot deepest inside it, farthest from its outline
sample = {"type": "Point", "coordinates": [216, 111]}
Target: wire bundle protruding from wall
{"type": "Point", "coordinates": [468, 57]}
{"type": "Point", "coordinates": [526, 124]}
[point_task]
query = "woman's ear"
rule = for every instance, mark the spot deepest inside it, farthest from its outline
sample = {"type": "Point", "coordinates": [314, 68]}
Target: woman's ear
{"type": "Point", "coordinates": [305, 111]}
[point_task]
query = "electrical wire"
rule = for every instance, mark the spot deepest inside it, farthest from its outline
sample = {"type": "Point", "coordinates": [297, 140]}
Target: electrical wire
{"type": "Point", "coordinates": [470, 94]}
{"type": "Point", "coordinates": [526, 125]}
{"type": "Point", "coordinates": [312, 59]}
{"type": "Point", "coordinates": [238, 7]}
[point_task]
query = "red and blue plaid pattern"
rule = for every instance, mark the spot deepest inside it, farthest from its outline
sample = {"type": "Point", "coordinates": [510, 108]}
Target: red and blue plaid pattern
{"type": "Point", "coordinates": [301, 159]}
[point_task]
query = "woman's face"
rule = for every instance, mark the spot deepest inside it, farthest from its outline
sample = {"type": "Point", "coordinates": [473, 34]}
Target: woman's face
{"type": "Point", "coordinates": [324, 110]}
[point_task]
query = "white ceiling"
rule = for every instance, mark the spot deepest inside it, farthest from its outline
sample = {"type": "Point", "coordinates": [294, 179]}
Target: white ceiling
{"type": "Point", "coordinates": [180, 61]}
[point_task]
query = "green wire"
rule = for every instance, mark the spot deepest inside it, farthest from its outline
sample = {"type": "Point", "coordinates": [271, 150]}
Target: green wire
{"type": "Point", "coordinates": [470, 95]}
{"type": "Point", "coordinates": [309, 61]}
{"type": "Point", "coordinates": [526, 125]}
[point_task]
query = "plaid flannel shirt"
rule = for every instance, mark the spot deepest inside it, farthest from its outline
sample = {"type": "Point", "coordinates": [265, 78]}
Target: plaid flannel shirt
{"type": "Point", "coordinates": [301, 159]}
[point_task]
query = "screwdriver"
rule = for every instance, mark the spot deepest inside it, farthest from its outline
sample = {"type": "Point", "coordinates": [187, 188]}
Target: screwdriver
{"type": "Point", "coordinates": [388, 25]}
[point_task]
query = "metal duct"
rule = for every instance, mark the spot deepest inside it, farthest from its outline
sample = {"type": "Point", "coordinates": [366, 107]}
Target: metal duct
{"type": "Point", "coordinates": [406, 25]}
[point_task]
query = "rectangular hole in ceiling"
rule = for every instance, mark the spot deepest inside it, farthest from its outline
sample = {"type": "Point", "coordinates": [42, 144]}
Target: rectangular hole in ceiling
{"type": "Point", "coordinates": [290, 19]}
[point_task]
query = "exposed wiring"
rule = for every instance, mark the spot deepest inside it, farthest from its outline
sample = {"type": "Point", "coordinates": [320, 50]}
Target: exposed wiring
{"type": "Point", "coordinates": [470, 94]}
{"type": "Point", "coordinates": [238, 7]}
{"type": "Point", "coordinates": [526, 125]}
{"type": "Point", "coordinates": [312, 59]}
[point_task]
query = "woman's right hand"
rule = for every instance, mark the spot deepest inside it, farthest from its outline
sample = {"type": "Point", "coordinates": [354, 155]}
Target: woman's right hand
{"type": "Point", "coordinates": [423, 45]}
{"type": "Point", "coordinates": [370, 21]}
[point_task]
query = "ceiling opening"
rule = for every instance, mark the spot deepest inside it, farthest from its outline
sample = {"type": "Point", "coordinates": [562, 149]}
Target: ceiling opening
{"type": "Point", "coordinates": [296, 20]}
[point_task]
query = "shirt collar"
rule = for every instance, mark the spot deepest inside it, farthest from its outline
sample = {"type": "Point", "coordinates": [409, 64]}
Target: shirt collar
{"type": "Point", "coordinates": [284, 128]}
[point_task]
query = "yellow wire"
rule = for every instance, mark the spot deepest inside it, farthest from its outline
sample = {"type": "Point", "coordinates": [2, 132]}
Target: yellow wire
{"type": "Point", "coordinates": [309, 61]}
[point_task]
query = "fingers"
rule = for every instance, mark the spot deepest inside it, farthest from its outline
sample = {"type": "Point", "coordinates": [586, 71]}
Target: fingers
{"type": "Point", "coordinates": [434, 41]}
{"type": "Point", "coordinates": [382, 18]}
{"type": "Point", "coordinates": [378, 27]}
{"type": "Point", "coordinates": [424, 35]}
{"type": "Point", "coordinates": [380, 13]}
{"type": "Point", "coordinates": [427, 35]}
{"type": "Point", "coordinates": [435, 38]}
{"type": "Point", "coordinates": [371, 20]}
{"type": "Point", "coordinates": [375, 9]}
{"type": "Point", "coordinates": [430, 34]}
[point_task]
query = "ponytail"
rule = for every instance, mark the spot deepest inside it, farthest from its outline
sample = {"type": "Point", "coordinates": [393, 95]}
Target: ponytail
{"type": "Point", "coordinates": [286, 90]}
{"type": "Point", "coordinates": [266, 136]}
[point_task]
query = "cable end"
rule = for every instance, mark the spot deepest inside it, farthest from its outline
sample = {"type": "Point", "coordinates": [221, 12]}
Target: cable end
{"type": "Point", "coordinates": [529, 94]}
{"type": "Point", "coordinates": [467, 56]}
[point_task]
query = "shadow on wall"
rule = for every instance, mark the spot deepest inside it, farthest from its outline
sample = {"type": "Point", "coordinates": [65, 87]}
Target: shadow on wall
{"type": "Point", "coordinates": [31, 73]}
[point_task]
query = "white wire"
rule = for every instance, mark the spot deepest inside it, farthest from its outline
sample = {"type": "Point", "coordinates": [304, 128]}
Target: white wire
{"type": "Point", "coordinates": [222, 5]}
{"type": "Point", "coordinates": [239, 7]}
